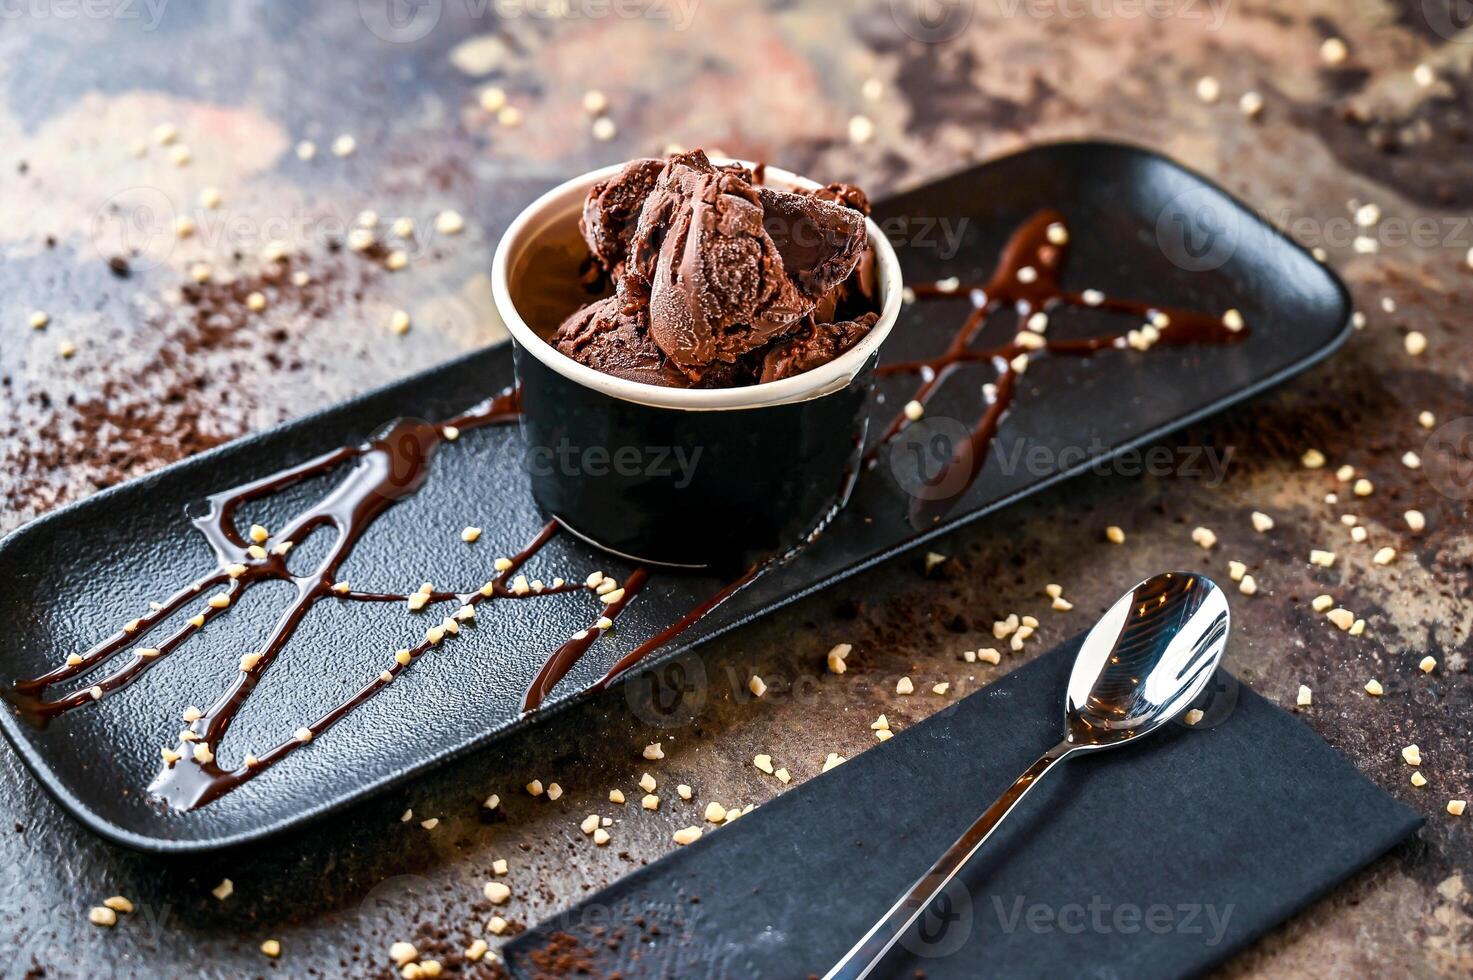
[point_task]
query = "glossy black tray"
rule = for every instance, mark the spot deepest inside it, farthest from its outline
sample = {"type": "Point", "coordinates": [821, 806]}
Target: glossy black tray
{"type": "Point", "coordinates": [1142, 226]}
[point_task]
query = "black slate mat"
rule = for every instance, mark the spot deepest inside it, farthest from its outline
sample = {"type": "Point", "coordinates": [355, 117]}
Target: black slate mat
{"type": "Point", "coordinates": [1155, 860]}
{"type": "Point", "coordinates": [1142, 227]}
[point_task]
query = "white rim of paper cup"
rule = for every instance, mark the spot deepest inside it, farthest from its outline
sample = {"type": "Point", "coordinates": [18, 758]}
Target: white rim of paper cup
{"type": "Point", "coordinates": [567, 198]}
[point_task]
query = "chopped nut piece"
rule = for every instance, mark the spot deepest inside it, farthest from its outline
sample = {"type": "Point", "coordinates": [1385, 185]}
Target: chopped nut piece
{"type": "Point", "coordinates": [1312, 459]}
{"type": "Point", "coordinates": [1236, 570]}
{"type": "Point", "coordinates": [344, 146]}
{"type": "Point", "coordinates": [1204, 537]}
{"type": "Point", "coordinates": [1385, 556]}
{"type": "Point", "coordinates": [904, 686]}
{"type": "Point", "coordinates": [836, 658]}
{"type": "Point", "coordinates": [1209, 89]}
{"type": "Point", "coordinates": [763, 762]}
{"type": "Point", "coordinates": [1114, 535]}
{"type": "Point", "coordinates": [609, 598]}
{"type": "Point", "coordinates": [684, 792]}
{"type": "Point", "coordinates": [534, 788]}
{"type": "Point", "coordinates": [884, 736]}
{"type": "Point", "coordinates": [1418, 779]}
{"type": "Point", "coordinates": [1193, 716]}
{"type": "Point", "coordinates": [1427, 665]}
{"type": "Point", "coordinates": [302, 735]}
{"type": "Point", "coordinates": [990, 656]}
{"type": "Point", "coordinates": [783, 776]}
{"type": "Point", "coordinates": [499, 866]}
{"type": "Point", "coordinates": [1412, 755]}
{"type": "Point", "coordinates": [1426, 419]}
{"type": "Point", "coordinates": [224, 890]}
{"type": "Point", "coordinates": [1364, 487]}
{"type": "Point", "coordinates": [1333, 51]}
{"type": "Point", "coordinates": [1248, 586]}
{"type": "Point", "coordinates": [1341, 617]}
{"type": "Point", "coordinates": [218, 601]}
{"type": "Point", "coordinates": [470, 534]}
{"type": "Point", "coordinates": [590, 823]}
{"type": "Point", "coordinates": [686, 835]}
{"type": "Point", "coordinates": [1324, 559]}
{"type": "Point", "coordinates": [715, 812]}
{"type": "Point", "coordinates": [554, 792]}
{"type": "Point", "coordinates": [1321, 603]}
{"type": "Point", "coordinates": [1457, 807]}
{"type": "Point", "coordinates": [941, 688]}
{"type": "Point", "coordinates": [497, 925]}
{"type": "Point", "coordinates": [1305, 698]}
{"type": "Point", "coordinates": [600, 837]}
{"type": "Point", "coordinates": [1416, 343]}
{"type": "Point", "coordinates": [256, 551]}
{"type": "Point", "coordinates": [647, 783]}
{"type": "Point", "coordinates": [1262, 522]}
{"type": "Point", "coordinates": [1374, 688]}
{"type": "Point", "coordinates": [118, 904]}
{"type": "Point", "coordinates": [650, 802]}
{"type": "Point", "coordinates": [880, 724]}
{"type": "Point", "coordinates": [248, 661]}
{"type": "Point", "coordinates": [496, 892]}
{"type": "Point", "coordinates": [756, 686]}
{"type": "Point", "coordinates": [449, 222]}
{"type": "Point", "coordinates": [653, 751]}
{"type": "Point", "coordinates": [1359, 534]}
{"type": "Point", "coordinates": [101, 915]}
{"type": "Point", "coordinates": [430, 824]}
{"type": "Point", "coordinates": [1415, 520]}
{"type": "Point", "coordinates": [202, 753]}
{"type": "Point", "coordinates": [616, 796]}
{"type": "Point", "coordinates": [271, 948]}
{"type": "Point", "coordinates": [170, 756]}
{"type": "Point", "coordinates": [833, 759]}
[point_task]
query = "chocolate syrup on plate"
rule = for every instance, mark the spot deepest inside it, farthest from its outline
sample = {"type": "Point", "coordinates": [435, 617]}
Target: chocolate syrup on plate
{"type": "Point", "coordinates": [395, 464]}
{"type": "Point", "coordinates": [1027, 278]}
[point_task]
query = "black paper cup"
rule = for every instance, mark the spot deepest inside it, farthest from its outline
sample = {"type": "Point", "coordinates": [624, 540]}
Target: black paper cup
{"type": "Point", "coordinates": [674, 476]}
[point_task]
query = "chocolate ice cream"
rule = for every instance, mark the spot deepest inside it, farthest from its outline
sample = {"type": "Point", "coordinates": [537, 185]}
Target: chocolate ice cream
{"type": "Point", "coordinates": [719, 282]}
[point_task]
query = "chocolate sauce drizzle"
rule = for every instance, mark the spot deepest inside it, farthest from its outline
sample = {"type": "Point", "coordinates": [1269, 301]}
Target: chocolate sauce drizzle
{"type": "Point", "coordinates": [395, 464]}
{"type": "Point", "coordinates": [1027, 278]}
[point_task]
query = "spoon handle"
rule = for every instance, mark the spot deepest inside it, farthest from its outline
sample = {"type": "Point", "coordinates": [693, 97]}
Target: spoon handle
{"type": "Point", "coordinates": [884, 934]}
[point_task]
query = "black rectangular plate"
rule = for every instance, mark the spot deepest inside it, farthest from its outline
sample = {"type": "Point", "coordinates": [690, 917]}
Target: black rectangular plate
{"type": "Point", "coordinates": [70, 578]}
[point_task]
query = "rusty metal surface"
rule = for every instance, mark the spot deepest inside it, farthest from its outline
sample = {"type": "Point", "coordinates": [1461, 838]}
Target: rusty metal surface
{"type": "Point", "coordinates": [164, 368]}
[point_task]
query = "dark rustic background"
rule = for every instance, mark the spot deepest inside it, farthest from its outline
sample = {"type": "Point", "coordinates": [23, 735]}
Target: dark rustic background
{"type": "Point", "coordinates": [164, 367]}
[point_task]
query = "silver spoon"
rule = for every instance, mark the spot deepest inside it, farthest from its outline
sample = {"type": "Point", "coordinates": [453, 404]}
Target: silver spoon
{"type": "Point", "coordinates": [1144, 663]}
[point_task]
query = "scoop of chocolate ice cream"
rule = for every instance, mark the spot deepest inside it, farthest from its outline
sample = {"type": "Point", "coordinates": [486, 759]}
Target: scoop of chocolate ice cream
{"type": "Point", "coordinates": [702, 260]}
{"type": "Point", "coordinates": [719, 281]}
{"type": "Point", "coordinates": [820, 242]}
{"type": "Point", "coordinates": [612, 210]}
{"type": "Point", "coordinates": [607, 337]}
{"type": "Point", "coordinates": [812, 346]}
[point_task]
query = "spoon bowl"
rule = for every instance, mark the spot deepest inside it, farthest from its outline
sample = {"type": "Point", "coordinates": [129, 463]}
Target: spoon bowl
{"type": "Point", "coordinates": [1146, 660]}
